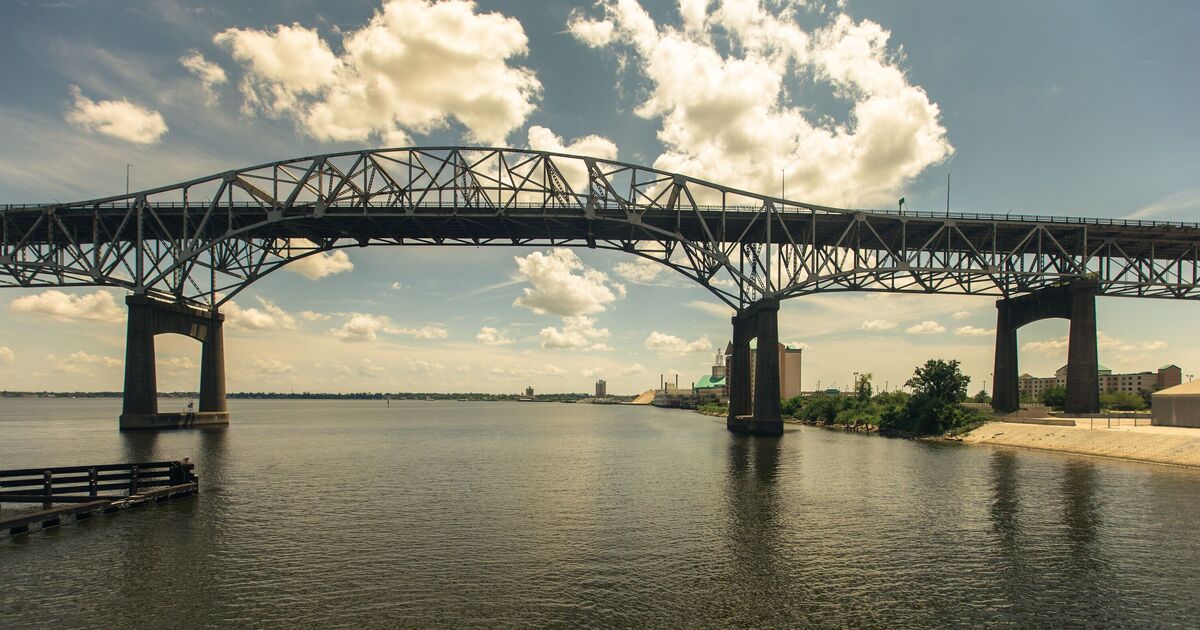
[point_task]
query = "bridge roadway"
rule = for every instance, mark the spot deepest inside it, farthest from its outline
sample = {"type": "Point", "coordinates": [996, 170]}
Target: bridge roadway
{"type": "Point", "coordinates": [197, 244]}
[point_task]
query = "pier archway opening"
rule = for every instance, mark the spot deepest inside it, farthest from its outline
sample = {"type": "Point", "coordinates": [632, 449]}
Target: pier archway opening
{"type": "Point", "coordinates": [1037, 343]}
{"type": "Point", "coordinates": [177, 360]}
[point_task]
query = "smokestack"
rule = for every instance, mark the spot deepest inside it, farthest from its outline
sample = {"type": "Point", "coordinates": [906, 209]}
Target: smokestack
{"type": "Point", "coordinates": [662, 382]}
{"type": "Point", "coordinates": [676, 381]}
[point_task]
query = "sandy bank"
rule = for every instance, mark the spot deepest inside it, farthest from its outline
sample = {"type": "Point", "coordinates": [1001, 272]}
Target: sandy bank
{"type": "Point", "coordinates": [1158, 445]}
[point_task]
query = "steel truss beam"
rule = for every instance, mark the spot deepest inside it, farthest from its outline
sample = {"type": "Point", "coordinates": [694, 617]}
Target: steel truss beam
{"type": "Point", "coordinates": [203, 241]}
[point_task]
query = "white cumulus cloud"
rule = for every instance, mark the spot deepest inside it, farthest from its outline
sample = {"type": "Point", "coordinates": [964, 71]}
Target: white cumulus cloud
{"type": "Point", "coordinates": [367, 327]}
{"type": "Point", "coordinates": [961, 314]}
{"type": "Point", "coordinates": [877, 325]}
{"type": "Point", "coordinates": [420, 332]}
{"type": "Point", "coordinates": [175, 365]}
{"type": "Point", "coordinates": [272, 366]}
{"type": "Point", "coordinates": [80, 362]}
{"type": "Point", "coordinates": [974, 331]}
{"type": "Point", "coordinates": [266, 316]}
{"type": "Point", "coordinates": [313, 316]}
{"type": "Point", "coordinates": [317, 266]}
{"type": "Point", "coordinates": [663, 342]}
{"type": "Point", "coordinates": [492, 337]}
{"type": "Point", "coordinates": [209, 73]}
{"type": "Point", "coordinates": [119, 119]}
{"type": "Point", "coordinates": [720, 87]}
{"type": "Point", "coordinates": [640, 270]}
{"type": "Point", "coordinates": [575, 171]}
{"type": "Point", "coordinates": [1050, 347]}
{"type": "Point", "coordinates": [633, 369]}
{"type": "Point", "coordinates": [425, 367]}
{"type": "Point", "coordinates": [370, 369]}
{"type": "Point", "coordinates": [577, 333]}
{"type": "Point", "coordinates": [927, 327]}
{"type": "Point", "coordinates": [414, 67]}
{"type": "Point", "coordinates": [7, 356]}
{"type": "Point", "coordinates": [99, 306]}
{"type": "Point", "coordinates": [361, 327]}
{"type": "Point", "coordinates": [563, 285]}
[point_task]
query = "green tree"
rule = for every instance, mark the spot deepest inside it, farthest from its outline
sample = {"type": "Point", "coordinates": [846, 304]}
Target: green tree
{"type": "Point", "coordinates": [982, 397]}
{"type": "Point", "coordinates": [941, 380]}
{"type": "Point", "coordinates": [862, 389]}
{"type": "Point", "coordinates": [1055, 397]}
{"type": "Point", "coordinates": [1122, 401]}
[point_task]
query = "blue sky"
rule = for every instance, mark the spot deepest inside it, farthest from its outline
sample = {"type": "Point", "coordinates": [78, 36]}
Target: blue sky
{"type": "Point", "coordinates": [1054, 108]}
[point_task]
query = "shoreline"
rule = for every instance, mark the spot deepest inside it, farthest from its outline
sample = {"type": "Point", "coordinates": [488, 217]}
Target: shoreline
{"type": "Point", "coordinates": [1170, 446]}
{"type": "Point", "coordinates": [1167, 446]}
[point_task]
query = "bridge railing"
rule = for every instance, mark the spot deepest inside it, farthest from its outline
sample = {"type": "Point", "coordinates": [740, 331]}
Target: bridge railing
{"type": "Point", "coordinates": [786, 208]}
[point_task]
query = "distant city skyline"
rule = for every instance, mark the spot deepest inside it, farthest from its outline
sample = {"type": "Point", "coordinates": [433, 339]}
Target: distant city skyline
{"type": "Point", "coordinates": [1080, 110]}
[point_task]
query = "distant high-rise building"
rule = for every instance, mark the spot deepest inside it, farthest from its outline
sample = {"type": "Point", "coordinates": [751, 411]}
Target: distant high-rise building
{"type": "Point", "coordinates": [601, 388]}
{"type": "Point", "coordinates": [790, 368]}
{"type": "Point", "coordinates": [529, 391]}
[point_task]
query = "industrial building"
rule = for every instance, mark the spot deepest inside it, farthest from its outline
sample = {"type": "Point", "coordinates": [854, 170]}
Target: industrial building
{"type": "Point", "coordinates": [1032, 387]}
{"type": "Point", "coordinates": [1177, 406]}
{"type": "Point", "coordinates": [714, 385]}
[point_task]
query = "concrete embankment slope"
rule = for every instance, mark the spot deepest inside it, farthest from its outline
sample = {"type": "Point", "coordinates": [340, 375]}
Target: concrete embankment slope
{"type": "Point", "coordinates": [1158, 445]}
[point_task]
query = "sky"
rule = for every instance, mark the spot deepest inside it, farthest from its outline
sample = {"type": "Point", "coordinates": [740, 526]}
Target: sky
{"type": "Point", "coordinates": [1064, 108]}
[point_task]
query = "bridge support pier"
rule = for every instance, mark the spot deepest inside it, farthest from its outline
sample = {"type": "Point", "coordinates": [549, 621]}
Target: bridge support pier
{"type": "Point", "coordinates": [147, 318]}
{"type": "Point", "coordinates": [1076, 302]}
{"type": "Point", "coordinates": [754, 405]}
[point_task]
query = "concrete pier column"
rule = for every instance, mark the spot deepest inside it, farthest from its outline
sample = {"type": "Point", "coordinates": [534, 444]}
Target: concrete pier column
{"type": "Point", "coordinates": [1083, 360]}
{"type": "Point", "coordinates": [141, 386]}
{"type": "Point", "coordinates": [149, 317]}
{"type": "Point", "coordinates": [738, 370]}
{"type": "Point", "coordinates": [755, 410]}
{"type": "Point", "coordinates": [212, 366]}
{"type": "Point", "coordinates": [767, 412]}
{"type": "Point", "coordinates": [1075, 302]}
{"type": "Point", "coordinates": [1006, 395]}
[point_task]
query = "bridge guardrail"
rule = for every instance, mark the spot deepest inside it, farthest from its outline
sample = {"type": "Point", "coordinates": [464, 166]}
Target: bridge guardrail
{"type": "Point", "coordinates": [921, 214]}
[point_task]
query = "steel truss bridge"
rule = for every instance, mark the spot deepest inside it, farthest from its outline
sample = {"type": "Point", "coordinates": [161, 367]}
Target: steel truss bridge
{"type": "Point", "coordinates": [184, 250]}
{"type": "Point", "coordinates": [203, 241]}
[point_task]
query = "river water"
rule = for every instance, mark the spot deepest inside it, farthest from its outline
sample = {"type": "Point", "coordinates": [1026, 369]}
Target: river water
{"type": "Point", "coordinates": [352, 514]}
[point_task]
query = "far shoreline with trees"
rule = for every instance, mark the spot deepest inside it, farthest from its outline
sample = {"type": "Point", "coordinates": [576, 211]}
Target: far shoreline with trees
{"type": "Point", "coordinates": [934, 408]}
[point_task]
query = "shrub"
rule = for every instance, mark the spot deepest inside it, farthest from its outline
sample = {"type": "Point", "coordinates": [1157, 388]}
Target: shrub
{"type": "Point", "coordinates": [1122, 401]}
{"type": "Point", "coordinates": [1055, 397]}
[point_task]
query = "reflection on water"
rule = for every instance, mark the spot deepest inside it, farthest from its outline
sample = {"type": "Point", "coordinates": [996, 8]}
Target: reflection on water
{"type": "Point", "coordinates": [1081, 512]}
{"type": "Point", "coordinates": [140, 446]}
{"type": "Point", "coordinates": [1005, 500]}
{"type": "Point", "coordinates": [450, 514]}
{"type": "Point", "coordinates": [753, 508]}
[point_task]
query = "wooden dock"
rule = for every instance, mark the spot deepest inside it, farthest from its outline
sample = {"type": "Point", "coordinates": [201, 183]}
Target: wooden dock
{"type": "Point", "coordinates": [82, 492]}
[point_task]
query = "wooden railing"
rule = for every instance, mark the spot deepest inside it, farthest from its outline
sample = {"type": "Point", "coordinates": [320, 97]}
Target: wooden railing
{"type": "Point", "coordinates": [84, 484]}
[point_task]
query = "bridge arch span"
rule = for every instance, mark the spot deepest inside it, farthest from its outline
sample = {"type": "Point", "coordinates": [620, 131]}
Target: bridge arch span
{"type": "Point", "coordinates": [198, 243]}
